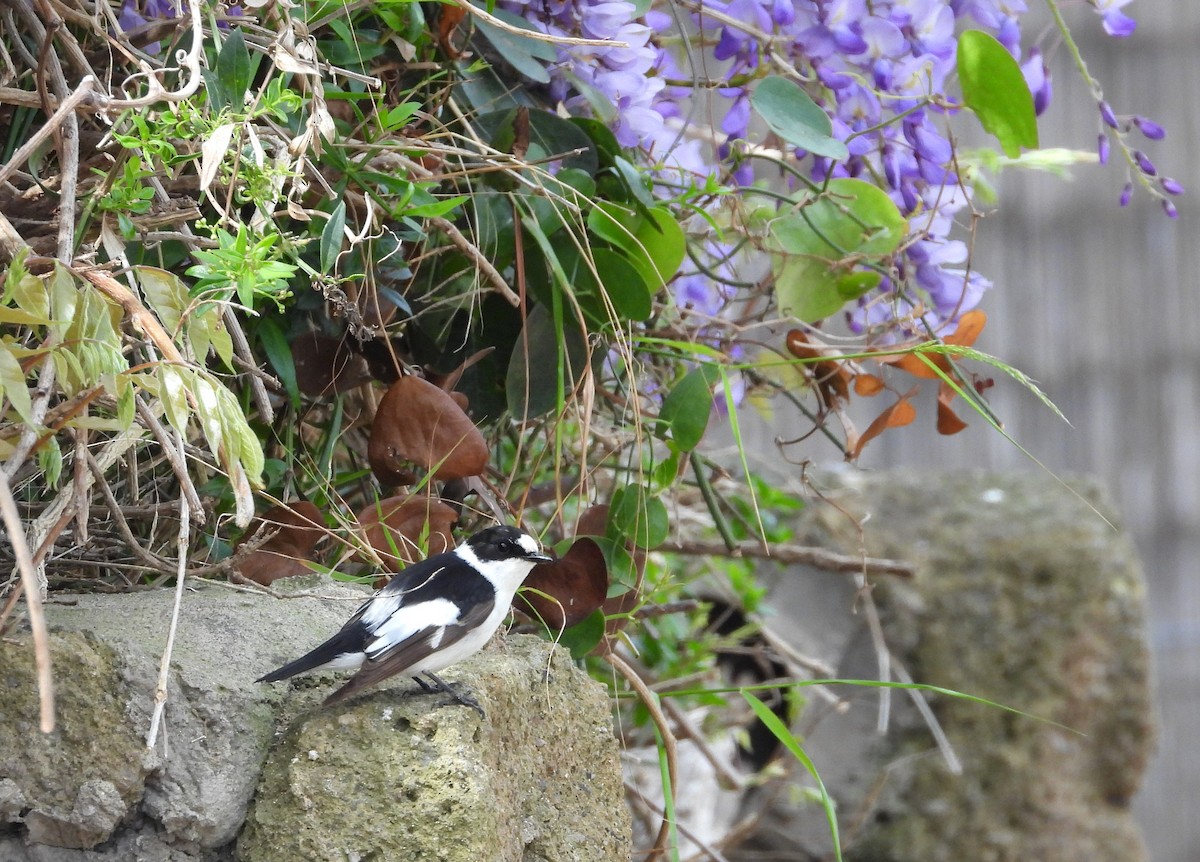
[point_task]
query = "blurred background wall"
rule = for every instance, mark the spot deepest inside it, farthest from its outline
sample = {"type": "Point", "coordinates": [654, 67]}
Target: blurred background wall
{"type": "Point", "coordinates": [1101, 306]}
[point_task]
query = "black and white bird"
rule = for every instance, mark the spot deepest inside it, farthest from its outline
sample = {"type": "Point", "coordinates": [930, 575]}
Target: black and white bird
{"type": "Point", "coordinates": [435, 613]}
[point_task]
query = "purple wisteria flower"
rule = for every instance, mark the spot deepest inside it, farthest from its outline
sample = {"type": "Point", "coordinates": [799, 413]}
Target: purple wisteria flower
{"type": "Point", "coordinates": [879, 69]}
{"type": "Point", "coordinates": [623, 76]}
{"type": "Point", "coordinates": [1116, 22]}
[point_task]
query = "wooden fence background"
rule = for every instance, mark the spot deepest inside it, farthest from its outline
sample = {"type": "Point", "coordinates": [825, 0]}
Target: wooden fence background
{"type": "Point", "coordinates": [1100, 305]}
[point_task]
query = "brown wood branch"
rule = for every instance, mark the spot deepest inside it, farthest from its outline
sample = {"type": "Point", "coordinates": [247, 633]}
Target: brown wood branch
{"type": "Point", "coordinates": [650, 699]}
{"type": "Point", "coordinates": [781, 553]}
{"type": "Point", "coordinates": [33, 603]}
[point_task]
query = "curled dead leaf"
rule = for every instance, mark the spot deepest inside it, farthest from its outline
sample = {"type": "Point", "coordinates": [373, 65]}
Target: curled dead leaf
{"type": "Point", "coordinates": [970, 325]}
{"type": "Point", "coordinates": [394, 527]}
{"type": "Point", "coordinates": [568, 590]}
{"type": "Point", "coordinates": [285, 554]}
{"type": "Point", "coordinates": [418, 423]}
{"type": "Point", "coordinates": [948, 421]}
{"type": "Point", "coordinates": [829, 375]}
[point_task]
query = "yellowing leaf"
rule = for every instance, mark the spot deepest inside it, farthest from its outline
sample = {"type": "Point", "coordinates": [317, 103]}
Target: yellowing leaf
{"type": "Point", "coordinates": [12, 384]}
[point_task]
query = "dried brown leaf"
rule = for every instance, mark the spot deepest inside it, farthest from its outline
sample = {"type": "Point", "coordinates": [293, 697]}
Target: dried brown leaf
{"type": "Point", "coordinates": [327, 366]}
{"type": "Point", "coordinates": [395, 526]}
{"type": "Point", "coordinates": [575, 585]}
{"type": "Point", "coordinates": [948, 421]}
{"type": "Point", "coordinates": [285, 554]}
{"type": "Point", "coordinates": [418, 423]}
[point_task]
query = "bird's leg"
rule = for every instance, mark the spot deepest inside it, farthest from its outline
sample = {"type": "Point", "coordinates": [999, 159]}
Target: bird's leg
{"type": "Point", "coordinates": [425, 687]}
{"type": "Point", "coordinates": [460, 697]}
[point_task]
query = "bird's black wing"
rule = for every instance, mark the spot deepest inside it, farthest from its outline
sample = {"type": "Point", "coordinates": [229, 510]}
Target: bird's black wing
{"type": "Point", "coordinates": [406, 653]}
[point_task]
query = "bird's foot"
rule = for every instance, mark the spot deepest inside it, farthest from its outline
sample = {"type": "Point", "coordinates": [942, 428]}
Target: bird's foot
{"type": "Point", "coordinates": [461, 697]}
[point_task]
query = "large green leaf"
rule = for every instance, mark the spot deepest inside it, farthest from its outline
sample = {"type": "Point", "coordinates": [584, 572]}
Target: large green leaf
{"type": "Point", "coordinates": [540, 354]}
{"type": "Point", "coordinates": [794, 116]}
{"type": "Point", "coordinates": [233, 73]}
{"type": "Point", "coordinates": [619, 290]}
{"type": "Point", "coordinates": [654, 242]}
{"type": "Point", "coordinates": [640, 516]}
{"type": "Point", "coordinates": [166, 293]}
{"type": "Point", "coordinates": [823, 243]}
{"type": "Point", "coordinates": [994, 88]}
{"type": "Point", "coordinates": [686, 409]}
{"type": "Point", "coordinates": [554, 135]}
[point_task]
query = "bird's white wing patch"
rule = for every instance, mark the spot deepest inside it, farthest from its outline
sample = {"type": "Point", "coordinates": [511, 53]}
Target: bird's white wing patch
{"type": "Point", "coordinates": [409, 620]}
{"type": "Point", "coordinates": [379, 608]}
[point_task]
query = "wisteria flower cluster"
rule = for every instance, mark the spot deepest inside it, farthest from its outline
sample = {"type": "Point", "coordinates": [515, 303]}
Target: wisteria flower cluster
{"type": "Point", "coordinates": [878, 69]}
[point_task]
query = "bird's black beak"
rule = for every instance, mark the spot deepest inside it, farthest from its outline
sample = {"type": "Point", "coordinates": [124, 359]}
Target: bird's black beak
{"type": "Point", "coordinates": [540, 558]}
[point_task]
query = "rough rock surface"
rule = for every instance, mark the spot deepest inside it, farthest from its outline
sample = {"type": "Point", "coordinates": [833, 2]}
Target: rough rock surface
{"type": "Point", "coordinates": [535, 780]}
{"type": "Point", "coordinates": [92, 791]}
{"type": "Point", "coordinates": [1023, 595]}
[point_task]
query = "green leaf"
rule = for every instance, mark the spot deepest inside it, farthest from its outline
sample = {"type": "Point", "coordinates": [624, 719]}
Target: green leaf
{"type": "Point", "coordinates": [50, 460]}
{"type": "Point", "coordinates": [16, 272]}
{"type": "Point", "coordinates": [654, 243]}
{"type": "Point", "coordinates": [618, 280]}
{"type": "Point", "coordinates": [12, 384]}
{"type": "Point", "coordinates": [279, 354]}
{"type": "Point", "coordinates": [640, 516]}
{"type": "Point", "coordinates": [29, 295]}
{"type": "Point", "coordinates": [172, 393]}
{"type": "Point", "coordinates": [823, 244]}
{"type": "Point", "coordinates": [687, 407]}
{"type": "Point", "coordinates": [994, 88]}
{"type": "Point", "coordinates": [166, 293]}
{"type": "Point", "coordinates": [233, 71]}
{"type": "Point", "coordinates": [794, 116]}
{"type": "Point", "coordinates": [584, 636]}
{"type": "Point", "coordinates": [540, 352]}
{"type": "Point", "coordinates": [331, 238]}
{"type": "Point", "coordinates": [557, 137]}
{"type": "Point", "coordinates": [528, 56]}
{"type": "Point", "coordinates": [789, 741]}
{"type": "Point", "coordinates": [64, 298]}
{"type": "Point", "coordinates": [218, 335]}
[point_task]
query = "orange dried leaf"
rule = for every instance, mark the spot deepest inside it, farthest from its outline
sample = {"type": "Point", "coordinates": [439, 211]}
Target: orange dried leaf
{"type": "Point", "coordinates": [574, 585]}
{"type": "Point", "coordinates": [867, 384]}
{"type": "Point", "coordinates": [899, 414]}
{"type": "Point", "coordinates": [947, 420]}
{"type": "Point", "coordinates": [829, 375]}
{"type": "Point", "coordinates": [418, 423]}
{"type": "Point", "coordinates": [451, 15]}
{"type": "Point", "coordinates": [917, 367]}
{"type": "Point", "coordinates": [969, 327]}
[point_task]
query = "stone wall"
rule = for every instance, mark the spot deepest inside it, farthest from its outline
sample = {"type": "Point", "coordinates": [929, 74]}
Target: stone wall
{"type": "Point", "coordinates": [386, 776]}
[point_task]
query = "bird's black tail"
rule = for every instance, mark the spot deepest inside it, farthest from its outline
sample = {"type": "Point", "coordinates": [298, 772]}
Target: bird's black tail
{"type": "Point", "coordinates": [342, 643]}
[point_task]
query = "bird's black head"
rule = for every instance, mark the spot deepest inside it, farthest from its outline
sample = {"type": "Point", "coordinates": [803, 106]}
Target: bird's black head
{"type": "Point", "coordinates": [506, 543]}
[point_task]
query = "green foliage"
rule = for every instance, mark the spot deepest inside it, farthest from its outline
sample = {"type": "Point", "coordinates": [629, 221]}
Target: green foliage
{"type": "Point", "coordinates": [994, 88]}
{"type": "Point", "coordinates": [794, 116]}
{"type": "Point", "coordinates": [244, 265]}
{"type": "Point", "coordinates": [825, 243]}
